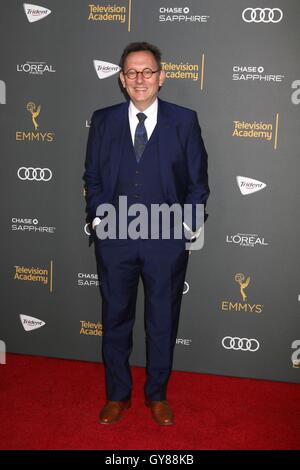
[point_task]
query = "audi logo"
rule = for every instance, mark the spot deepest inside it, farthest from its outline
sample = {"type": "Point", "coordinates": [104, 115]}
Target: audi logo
{"type": "Point", "coordinates": [34, 174]}
{"type": "Point", "coordinates": [186, 288]}
{"type": "Point", "coordinates": [262, 15]}
{"type": "Point", "coordinates": [241, 344]}
{"type": "Point", "coordinates": [87, 229]}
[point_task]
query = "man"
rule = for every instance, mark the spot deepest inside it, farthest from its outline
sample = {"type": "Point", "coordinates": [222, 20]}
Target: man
{"type": "Point", "coordinates": [151, 152]}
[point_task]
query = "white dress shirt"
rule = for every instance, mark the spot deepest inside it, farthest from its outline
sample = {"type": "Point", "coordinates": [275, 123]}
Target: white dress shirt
{"type": "Point", "coordinates": [150, 122]}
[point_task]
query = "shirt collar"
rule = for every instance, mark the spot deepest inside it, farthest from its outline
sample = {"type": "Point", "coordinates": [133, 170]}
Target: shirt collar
{"type": "Point", "coordinates": [150, 112]}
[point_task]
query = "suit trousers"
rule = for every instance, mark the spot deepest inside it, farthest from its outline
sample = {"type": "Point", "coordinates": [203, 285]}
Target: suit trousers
{"type": "Point", "coordinates": [162, 266]}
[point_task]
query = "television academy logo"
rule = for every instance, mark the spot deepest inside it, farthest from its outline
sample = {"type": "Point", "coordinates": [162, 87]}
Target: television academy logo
{"type": "Point", "coordinates": [258, 130]}
{"type": "Point", "coordinates": [254, 73]}
{"type": "Point", "coordinates": [181, 71]}
{"type": "Point", "coordinates": [248, 185]}
{"type": "Point", "coordinates": [246, 240]}
{"type": "Point", "coordinates": [24, 224]}
{"type": "Point", "coordinates": [34, 174]}
{"type": "Point", "coordinates": [105, 69]}
{"type": "Point", "coordinates": [34, 136]}
{"type": "Point", "coordinates": [35, 275]}
{"type": "Point", "coordinates": [185, 71]}
{"type": "Point", "coordinates": [110, 13]}
{"type": "Point", "coordinates": [31, 323]}
{"type": "Point", "coordinates": [35, 12]}
{"type": "Point", "coordinates": [35, 68]}
{"type": "Point", "coordinates": [179, 15]}
{"type": "Point", "coordinates": [296, 94]}
{"type": "Point", "coordinates": [241, 306]}
{"type": "Point", "coordinates": [262, 15]}
{"type": "Point", "coordinates": [89, 328]}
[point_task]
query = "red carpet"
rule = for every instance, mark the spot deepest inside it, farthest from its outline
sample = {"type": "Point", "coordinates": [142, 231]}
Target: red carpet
{"type": "Point", "coordinates": [54, 404]}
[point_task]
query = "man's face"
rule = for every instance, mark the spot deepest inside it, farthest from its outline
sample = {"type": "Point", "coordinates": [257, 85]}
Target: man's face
{"type": "Point", "coordinates": [142, 91]}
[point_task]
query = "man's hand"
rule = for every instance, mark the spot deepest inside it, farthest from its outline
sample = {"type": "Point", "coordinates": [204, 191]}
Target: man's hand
{"type": "Point", "coordinates": [193, 235]}
{"type": "Point", "coordinates": [96, 222]}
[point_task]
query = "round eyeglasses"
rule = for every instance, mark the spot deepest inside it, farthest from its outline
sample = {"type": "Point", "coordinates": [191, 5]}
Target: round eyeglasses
{"type": "Point", "coordinates": [132, 74]}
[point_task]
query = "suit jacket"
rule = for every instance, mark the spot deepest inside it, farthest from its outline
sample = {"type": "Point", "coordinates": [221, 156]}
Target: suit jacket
{"type": "Point", "coordinates": [182, 155]}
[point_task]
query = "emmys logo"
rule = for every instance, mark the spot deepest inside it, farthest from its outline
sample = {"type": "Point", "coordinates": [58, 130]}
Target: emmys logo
{"type": "Point", "coordinates": [240, 279]}
{"type": "Point", "coordinates": [229, 305]}
{"type": "Point", "coordinates": [2, 92]}
{"type": "Point", "coordinates": [2, 352]}
{"type": "Point", "coordinates": [34, 111]}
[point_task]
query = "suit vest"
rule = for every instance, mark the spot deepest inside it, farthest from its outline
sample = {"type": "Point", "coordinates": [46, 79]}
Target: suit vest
{"type": "Point", "coordinates": [140, 181]}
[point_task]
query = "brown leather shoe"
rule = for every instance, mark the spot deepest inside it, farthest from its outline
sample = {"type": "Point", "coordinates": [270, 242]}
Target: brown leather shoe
{"type": "Point", "coordinates": [112, 411]}
{"type": "Point", "coordinates": [161, 412]}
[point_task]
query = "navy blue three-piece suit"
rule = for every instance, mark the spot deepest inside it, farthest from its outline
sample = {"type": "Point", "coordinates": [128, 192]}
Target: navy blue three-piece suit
{"type": "Point", "coordinates": [172, 169]}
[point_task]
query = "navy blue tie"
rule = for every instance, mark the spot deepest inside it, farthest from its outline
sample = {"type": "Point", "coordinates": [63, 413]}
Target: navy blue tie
{"type": "Point", "coordinates": [140, 137]}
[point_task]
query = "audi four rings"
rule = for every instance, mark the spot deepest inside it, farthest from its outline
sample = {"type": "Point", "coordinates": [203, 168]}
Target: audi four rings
{"type": "Point", "coordinates": [242, 344]}
{"type": "Point", "coordinates": [262, 15]}
{"type": "Point", "coordinates": [34, 174]}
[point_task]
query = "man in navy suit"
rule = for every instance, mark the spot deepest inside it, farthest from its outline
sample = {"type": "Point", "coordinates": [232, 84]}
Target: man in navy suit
{"type": "Point", "coordinates": [151, 152]}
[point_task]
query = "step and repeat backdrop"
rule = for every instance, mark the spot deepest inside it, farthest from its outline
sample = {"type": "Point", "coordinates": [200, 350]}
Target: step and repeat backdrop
{"type": "Point", "coordinates": [236, 62]}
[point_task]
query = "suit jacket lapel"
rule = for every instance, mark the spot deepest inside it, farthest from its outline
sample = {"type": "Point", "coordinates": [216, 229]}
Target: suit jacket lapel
{"type": "Point", "coordinates": [165, 137]}
{"type": "Point", "coordinates": [119, 133]}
